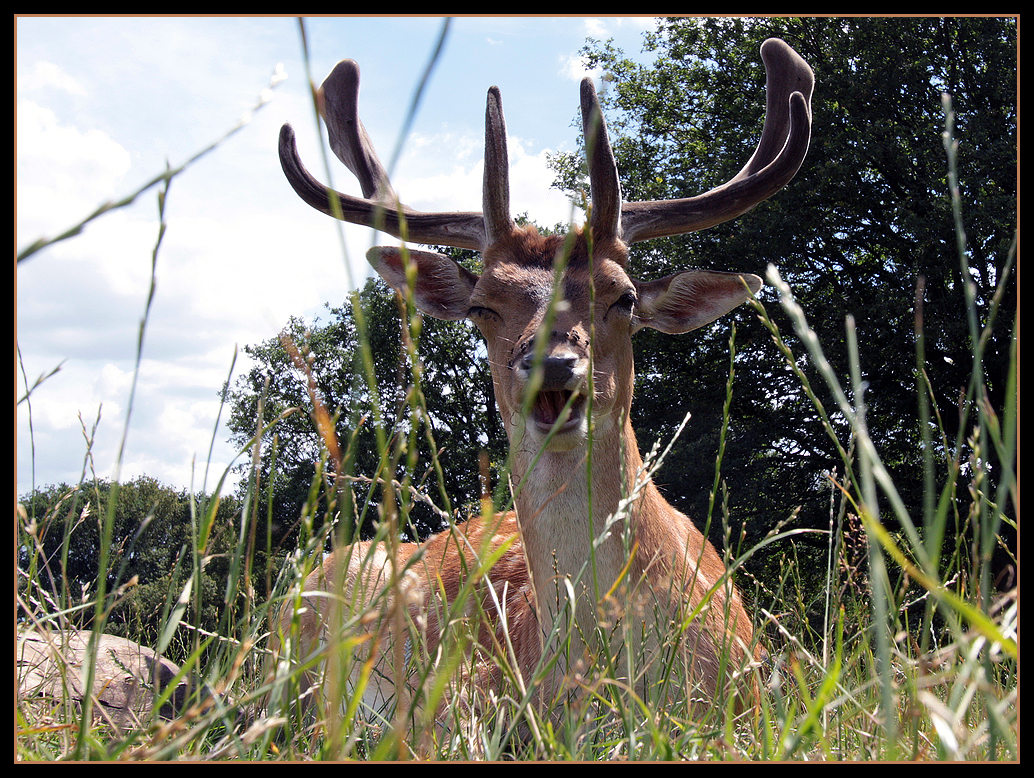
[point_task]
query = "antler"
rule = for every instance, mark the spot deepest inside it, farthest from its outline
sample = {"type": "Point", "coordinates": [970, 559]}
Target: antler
{"type": "Point", "coordinates": [379, 207]}
{"type": "Point", "coordinates": [783, 146]}
{"type": "Point", "coordinates": [496, 193]}
{"type": "Point", "coordinates": [778, 157]}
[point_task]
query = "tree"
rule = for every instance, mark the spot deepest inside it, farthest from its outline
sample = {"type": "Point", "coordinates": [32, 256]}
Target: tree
{"type": "Point", "coordinates": [151, 550]}
{"type": "Point", "coordinates": [454, 408]}
{"type": "Point", "coordinates": [865, 219]}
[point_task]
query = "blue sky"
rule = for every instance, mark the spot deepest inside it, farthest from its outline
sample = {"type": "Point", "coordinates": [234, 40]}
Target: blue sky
{"type": "Point", "coordinates": [103, 103]}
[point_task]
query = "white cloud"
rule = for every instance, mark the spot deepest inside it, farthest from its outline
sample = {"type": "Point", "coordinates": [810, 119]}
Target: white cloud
{"type": "Point", "coordinates": [46, 74]}
{"type": "Point", "coordinates": [572, 67]}
{"type": "Point", "coordinates": [460, 187]}
{"type": "Point", "coordinates": [62, 170]}
{"type": "Point", "coordinates": [595, 27]}
{"type": "Point", "coordinates": [112, 381]}
{"type": "Point", "coordinates": [531, 182]}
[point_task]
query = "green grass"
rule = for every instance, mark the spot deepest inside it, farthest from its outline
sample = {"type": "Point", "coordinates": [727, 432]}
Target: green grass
{"type": "Point", "coordinates": [872, 685]}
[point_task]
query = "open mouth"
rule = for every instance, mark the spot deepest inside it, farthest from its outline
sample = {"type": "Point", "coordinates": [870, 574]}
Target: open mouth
{"type": "Point", "coordinates": [552, 406]}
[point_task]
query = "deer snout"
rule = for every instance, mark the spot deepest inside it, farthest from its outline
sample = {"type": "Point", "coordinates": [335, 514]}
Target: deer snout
{"type": "Point", "coordinates": [560, 371]}
{"type": "Point", "coordinates": [559, 402]}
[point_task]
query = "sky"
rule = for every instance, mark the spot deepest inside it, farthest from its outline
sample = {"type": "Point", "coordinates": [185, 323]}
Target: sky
{"type": "Point", "coordinates": [104, 104]}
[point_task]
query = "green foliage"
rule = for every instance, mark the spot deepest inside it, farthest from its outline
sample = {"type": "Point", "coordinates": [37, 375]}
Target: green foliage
{"type": "Point", "coordinates": [456, 413]}
{"type": "Point", "coordinates": [866, 220]}
{"type": "Point", "coordinates": [152, 533]}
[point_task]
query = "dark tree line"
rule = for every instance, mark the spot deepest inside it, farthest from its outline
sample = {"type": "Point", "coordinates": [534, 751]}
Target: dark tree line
{"type": "Point", "coordinates": [866, 219]}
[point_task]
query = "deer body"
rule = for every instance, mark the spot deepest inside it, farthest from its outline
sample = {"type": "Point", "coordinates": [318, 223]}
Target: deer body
{"type": "Point", "coordinates": [598, 565]}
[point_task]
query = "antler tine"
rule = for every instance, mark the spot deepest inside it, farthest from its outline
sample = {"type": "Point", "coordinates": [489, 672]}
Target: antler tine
{"type": "Point", "coordinates": [778, 157]}
{"type": "Point", "coordinates": [604, 186]}
{"type": "Point", "coordinates": [496, 192]}
{"type": "Point", "coordinates": [338, 100]}
{"type": "Point", "coordinates": [786, 74]}
{"type": "Point", "coordinates": [379, 208]}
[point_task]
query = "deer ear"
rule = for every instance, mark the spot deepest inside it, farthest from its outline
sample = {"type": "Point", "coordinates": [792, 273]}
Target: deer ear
{"type": "Point", "coordinates": [691, 299]}
{"type": "Point", "coordinates": [441, 287]}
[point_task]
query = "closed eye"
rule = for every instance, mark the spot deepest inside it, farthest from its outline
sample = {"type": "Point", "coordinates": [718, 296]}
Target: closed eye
{"type": "Point", "coordinates": [480, 312]}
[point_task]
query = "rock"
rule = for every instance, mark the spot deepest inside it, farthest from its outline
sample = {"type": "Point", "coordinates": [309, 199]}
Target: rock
{"type": "Point", "coordinates": [126, 679]}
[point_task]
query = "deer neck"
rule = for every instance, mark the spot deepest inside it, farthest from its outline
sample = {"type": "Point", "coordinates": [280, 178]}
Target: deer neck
{"type": "Point", "coordinates": [577, 524]}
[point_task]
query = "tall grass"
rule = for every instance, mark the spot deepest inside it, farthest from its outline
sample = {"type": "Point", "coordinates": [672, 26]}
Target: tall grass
{"type": "Point", "coordinates": [873, 685]}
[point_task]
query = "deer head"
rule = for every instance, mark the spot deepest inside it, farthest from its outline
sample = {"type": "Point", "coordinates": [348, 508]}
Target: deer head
{"type": "Point", "coordinates": [510, 299]}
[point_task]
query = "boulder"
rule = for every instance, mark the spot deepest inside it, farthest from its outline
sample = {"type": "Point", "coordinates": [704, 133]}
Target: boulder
{"type": "Point", "coordinates": [127, 676]}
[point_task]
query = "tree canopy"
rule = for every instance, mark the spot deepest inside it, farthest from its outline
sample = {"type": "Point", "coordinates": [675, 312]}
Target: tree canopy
{"type": "Point", "coordinates": [153, 533]}
{"type": "Point", "coordinates": [453, 410]}
{"type": "Point", "coordinates": [866, 220]}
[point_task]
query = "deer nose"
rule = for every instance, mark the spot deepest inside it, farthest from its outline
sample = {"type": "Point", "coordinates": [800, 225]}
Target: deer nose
{"type": "Point", "coordinates": [559, 371]}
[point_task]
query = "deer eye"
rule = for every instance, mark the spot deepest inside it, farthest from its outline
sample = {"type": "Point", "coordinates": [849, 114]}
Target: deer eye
{"type": "Point", "coordinates": [478, 312]}
{"type": "Point", "coordinates": [625, 303]}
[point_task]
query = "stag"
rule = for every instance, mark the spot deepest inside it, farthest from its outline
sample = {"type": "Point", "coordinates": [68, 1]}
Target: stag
{"type": "Point", "coordinates": [592, 560]}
